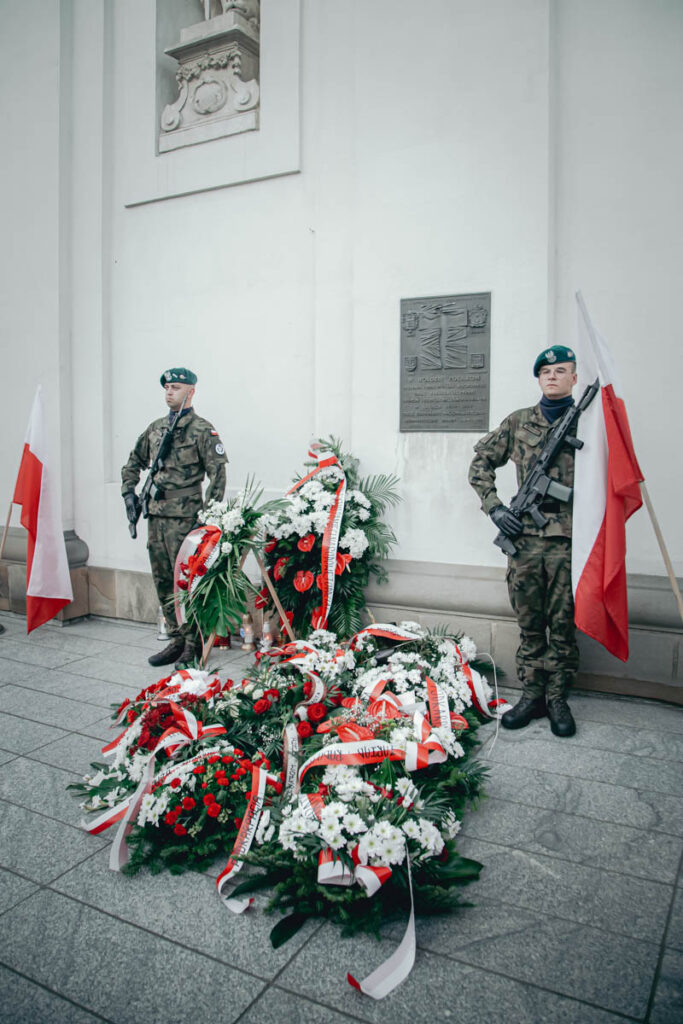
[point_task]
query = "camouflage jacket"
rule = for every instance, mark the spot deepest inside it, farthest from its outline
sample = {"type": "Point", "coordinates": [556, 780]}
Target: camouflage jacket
{"type": "Point", "coordinates": [196, 452]}
{"type": "Point", "coordinates": [520, 437]}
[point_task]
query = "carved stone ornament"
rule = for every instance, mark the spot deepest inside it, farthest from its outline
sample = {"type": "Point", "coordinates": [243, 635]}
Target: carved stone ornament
{"type": "Point", "coordinates": [218, 72]}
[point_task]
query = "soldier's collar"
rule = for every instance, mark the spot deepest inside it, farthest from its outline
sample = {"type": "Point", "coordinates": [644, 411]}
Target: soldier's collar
{"type": "Point", "coordinates": [184, 413]}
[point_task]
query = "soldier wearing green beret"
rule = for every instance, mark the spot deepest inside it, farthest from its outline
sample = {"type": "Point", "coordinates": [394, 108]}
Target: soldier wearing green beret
{"type": "Point", "coordinates": [176, 497]}
{"type": "Point", "coordinates": [539, 574]}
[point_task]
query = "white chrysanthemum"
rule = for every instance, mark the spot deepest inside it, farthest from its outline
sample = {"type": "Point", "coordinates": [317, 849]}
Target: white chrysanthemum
{"type": "Point", "coordinates": [354, 823]}
{"type": "Point", "coordinates": [450, 825]}
{"type": "Point", "coordinates": [411, 829]}
{"type": "Point", "coordinates": [392, 852]}
{"type": "Point", "coordinates": [363, 514]}
{"type": "Point", "coordinates": [359, 498]}
{"type": "Point", "coordinates": [319, 520]}
{"type": "Point", "coordinates": [355, 542]}
{"type": "Point", "coordinates": [226, 547]}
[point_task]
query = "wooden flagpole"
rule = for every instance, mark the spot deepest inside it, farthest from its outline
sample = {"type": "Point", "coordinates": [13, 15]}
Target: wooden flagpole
{"type": "Point", "coordinates": [4, 532]}
{"type": "Point", "coordinates": [662, 547]}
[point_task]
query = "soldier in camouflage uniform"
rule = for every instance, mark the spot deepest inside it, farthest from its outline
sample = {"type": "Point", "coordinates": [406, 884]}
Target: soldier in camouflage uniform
{"type": "Point", "coordinates": [176, 496]}
{"type": "Point", "coordinates": [539, 574]}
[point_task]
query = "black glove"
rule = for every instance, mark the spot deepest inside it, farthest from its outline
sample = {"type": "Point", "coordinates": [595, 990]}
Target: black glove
{"type": "Point", "coordinates": [506, 521]}
{"type": "Point", "coordinates": [132, 506]}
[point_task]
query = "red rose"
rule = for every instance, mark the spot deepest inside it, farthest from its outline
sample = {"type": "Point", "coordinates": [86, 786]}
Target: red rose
{"type": "Point", "coordinates": [180, 830]}
{"type": "Point", "coordinates": [318, 618]}
{"type": "Point", "coordinates": [261, 706]}
{"type": "Point", "coordinates": [304, 729]}
{"type": "Point", "coordinates": [279, 568]}
{"type": "Point", "coordinates": [213, 760]}
{"type": "Point", "coordinates": [188, 803]}
{"type": "Point", "coordinates": [343, 562]}
{"type": "Point", "coordinates": [222, 781]}
{"type": "Point", "coordinates": [204, 785]}
{"type": "Point", "coordinates": [171, 817]}
{"type": "Point", "coordinates": [316, 712]}
{"type": "Point", "coordinates": [131, 716]}
{"type": "Point", "coordinates": [175, 783]}
{"type": "Point", "coordinates": [270, 546]}
{"type": "Point", "coordinates": [226, 759]}
{"type": "Point", "coordinates": [199, 770]}
{"type": "Point", "coordinates": [208, 799]}
{"type": "Point", "coordinates": [306, 543]}
{"type": "Point", "coordinates": [272, 694]}
{"type": "Point", "coordinates": [303, 581]}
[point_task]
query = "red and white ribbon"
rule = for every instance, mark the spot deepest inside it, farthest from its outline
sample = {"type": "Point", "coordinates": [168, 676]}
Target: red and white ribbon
{"type": "Point", "coordinates": [245, 836]}
{"type": "Point", "coordinates": [291, 749]}
{"type": "Point", "coordinates": [198, 552]}
{"type": "Point", "coordinates": [332, 528]}
{"type": "Point", "coordinates": [386, 630]}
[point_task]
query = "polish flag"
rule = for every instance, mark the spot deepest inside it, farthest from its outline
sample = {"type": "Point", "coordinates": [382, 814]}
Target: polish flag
{"type": "Point", "coordinates": [607, 481]}
{"type": "Point", "coordinates": [48, 584]}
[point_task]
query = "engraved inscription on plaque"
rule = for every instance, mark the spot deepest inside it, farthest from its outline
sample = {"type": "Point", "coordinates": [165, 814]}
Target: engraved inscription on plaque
{"type": "Point", "coordinates": [445, 361]}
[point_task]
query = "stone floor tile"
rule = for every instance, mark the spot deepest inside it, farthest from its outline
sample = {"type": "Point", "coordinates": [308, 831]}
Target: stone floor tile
{"type": "Point", "coordinates": [634, 907]}
{"type": "Point", "coordinates": [601, 801]}
{"type": "Point", "coordinates": [38, 847]}
{"type": "Point", "coordinates": [103, 729]}
{"type": "Point", "coordinates": [629, 711]}
{"type": "Point", "coordinates": [73, 752]}
{"type": "Point", "coordinates": [125, 974]}
{"type": "Point", "coordinates": [13, 890]}
{"type": "Point", "coordinates": [274, 1004]}
{"type": "Point", "coordinates": [437, 989]}
{"type": "Point", "coordinates": [532, 749]}
{"type": "Point", "coordinates": [674, 937]}
{"type": "Point", "coordinates": [116, 631]}
{"type": "Point", "coordinates": [134, 677]}
{"type": "Point", "coordinates": [5, 756]}
{"type": "Point", "coordinates": [576, 839]}
{"type": "Point", "coordinates": [47, 708]}
{"type": "Point", "coordinates": [22, 1002]}
{"type": "Point", "coordinates": [17, 672]}
{"type": "Point", "coordinates": [28, 653]}
{"type": "Point", "coordinates": [668, 1002]}
{"type": "Point", "coordinates": [76, 646]}
{"type": "Point", "coordinates": [187, 910]}
{"type": "Point", "coordinates": [78, 688]}
{"type": "Point", "coordinates": [624, 739]}
{"type": "Point", "coordinates": [40, 788]}
{"type": "Point", "coordinates": [19, 735]}
{"type": "Point", "coordinates": [603, 969]}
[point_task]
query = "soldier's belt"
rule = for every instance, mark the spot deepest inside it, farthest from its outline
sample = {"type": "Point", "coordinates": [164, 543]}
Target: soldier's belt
{"type": "Point", "coordinates": [182, 492]}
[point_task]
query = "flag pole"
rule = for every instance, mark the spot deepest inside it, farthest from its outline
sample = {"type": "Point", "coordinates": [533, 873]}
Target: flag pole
{"type": "Point", "coordinates": [4, 532]}
{"type": "Point", "coordinates": [662, 547]}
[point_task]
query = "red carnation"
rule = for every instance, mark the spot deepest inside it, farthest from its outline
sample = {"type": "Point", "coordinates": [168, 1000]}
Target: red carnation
{"type": "Point", "coordinates": [316, 712]}
{"type": "Point", "coordinates": [208, 799]}
{"type": "Point", "coordinates": [303, 581]}
{"type": "Point", "coordinates": [214, 759]}
{"type": "Point", "coordinates": [171, 817]}
{"type": "Point", "coordinates": [175, 783]}
{"type": "Point", "coordinates": [131, 716]}
{"type": "Point", "coordinates": [304, 729]}
{"type": "Point", "coordinates": [343, 562]}
{"type": "Point", "coordinates": [226, 759]}
{"type": "Point", "coordinates": [199, 770]}
{"type": "Point", "coordinates": [279, 568]}
{"type": "Point", "coordinates": [180, 830]}
{"type": "Point", "coordinates": [214, 810]}
{"type": "Point", "coordinates": [272, 694]}
{"type": "Point", "coordinates": [306, 543]}
{"type": "Point", "coordinates": [188, 803]}
{"type": "Point", "coordinates": [261, 706]}
{"type": "Point", "coordinates": [270, 546]}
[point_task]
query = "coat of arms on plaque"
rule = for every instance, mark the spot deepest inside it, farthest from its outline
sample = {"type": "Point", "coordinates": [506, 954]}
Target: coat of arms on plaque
{"type": "Point", "coordinates": [478, 316]}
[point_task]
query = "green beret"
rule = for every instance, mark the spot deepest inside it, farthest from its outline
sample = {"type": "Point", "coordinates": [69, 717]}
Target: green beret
{"type": "Point", "coordinates": [178, 375]}
{"type": "Point", "coordinates": [554, 354]}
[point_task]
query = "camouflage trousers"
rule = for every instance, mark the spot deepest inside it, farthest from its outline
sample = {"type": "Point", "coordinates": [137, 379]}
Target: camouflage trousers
{"type": "Point", "coordinates": [540, 588]}
{"type": "Point", "coordinates": [165, 534]}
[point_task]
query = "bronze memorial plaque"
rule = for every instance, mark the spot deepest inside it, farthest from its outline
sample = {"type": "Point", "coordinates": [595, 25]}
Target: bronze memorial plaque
{"type": "Point", "coordinates": [445, 353]}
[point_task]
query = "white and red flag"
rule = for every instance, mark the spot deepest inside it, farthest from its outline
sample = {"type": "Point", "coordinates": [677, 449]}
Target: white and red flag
{"type": "Point", "coordinates": [607, 481]}
{"type": "Point", "coordinates": [48, 584]}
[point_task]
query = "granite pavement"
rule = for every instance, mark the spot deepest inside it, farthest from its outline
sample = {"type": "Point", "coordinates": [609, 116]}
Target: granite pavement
{"type": "Point", "coordinates": [577, 918]}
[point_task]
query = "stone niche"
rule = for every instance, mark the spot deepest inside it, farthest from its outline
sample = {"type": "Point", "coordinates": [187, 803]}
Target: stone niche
{"type": "Point", "coordinates": [217, 75]}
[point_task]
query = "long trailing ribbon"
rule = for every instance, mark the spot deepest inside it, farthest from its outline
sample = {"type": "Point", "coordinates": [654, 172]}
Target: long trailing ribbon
{"type": "Point", "coordinates": [332, 527]}
{"type": "Point", "coordinates": [245, 837]}
{"type": "Point", "coordinates": [198, 552]}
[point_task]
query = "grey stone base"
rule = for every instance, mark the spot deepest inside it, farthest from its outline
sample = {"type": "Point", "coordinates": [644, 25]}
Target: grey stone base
{"type": "Point", "coordinates": [13, 575]}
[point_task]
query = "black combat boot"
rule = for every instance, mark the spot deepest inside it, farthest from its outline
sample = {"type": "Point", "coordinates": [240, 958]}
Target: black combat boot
{"type": "Point", "coordinates": [524, 710]}
{"type": "Point", "coordinates": [188, 655]}
{"type": "Point", "coordinates": [169, 654]}
{"type": "Point", "coordinates": [561, 719]}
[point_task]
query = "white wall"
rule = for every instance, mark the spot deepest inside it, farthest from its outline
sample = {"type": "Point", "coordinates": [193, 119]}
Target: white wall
{"type": "Point", "coordinates": [444, 150]}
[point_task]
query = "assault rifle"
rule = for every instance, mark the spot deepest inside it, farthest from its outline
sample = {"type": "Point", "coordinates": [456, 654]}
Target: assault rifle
{"type": "Point", "coordinates": [141, 501]}
{"type": "Point", "coordinates": [537, 484]}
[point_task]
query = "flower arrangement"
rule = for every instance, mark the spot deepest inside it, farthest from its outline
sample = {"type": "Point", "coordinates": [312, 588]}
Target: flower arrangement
{"type": "Point", "coordinates": [327, 540]}
{"type": "Point", "coordinates": [339, 770]}
{"type": "Point", "coordinates": [211, 586]}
